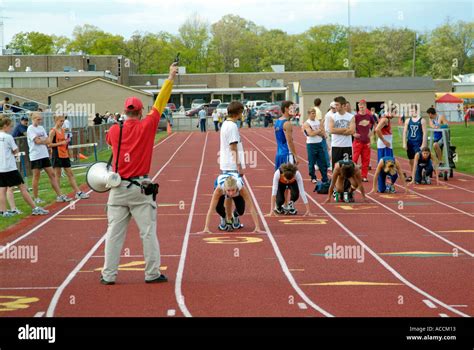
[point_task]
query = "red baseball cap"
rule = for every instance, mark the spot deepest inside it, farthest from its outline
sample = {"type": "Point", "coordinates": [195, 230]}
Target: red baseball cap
{"type": "Point", "coordinates": [363, 101]}
{"type": "Point", "coordinates": [133, 104]}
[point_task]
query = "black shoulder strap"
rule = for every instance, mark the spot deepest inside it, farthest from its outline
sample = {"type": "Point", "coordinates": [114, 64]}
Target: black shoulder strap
{"type": "Point", "coordinates": [118, 150]}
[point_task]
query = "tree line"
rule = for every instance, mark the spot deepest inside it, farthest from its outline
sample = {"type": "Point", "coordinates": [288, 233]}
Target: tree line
{"type": "Point", "coordinates": [234, 44]}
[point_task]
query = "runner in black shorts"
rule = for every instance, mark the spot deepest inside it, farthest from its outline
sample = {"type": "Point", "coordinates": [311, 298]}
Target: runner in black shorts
{"type": "Point", "coordinates": [9, 175]}
{"type": "Point", "coordinates": [60, 155]}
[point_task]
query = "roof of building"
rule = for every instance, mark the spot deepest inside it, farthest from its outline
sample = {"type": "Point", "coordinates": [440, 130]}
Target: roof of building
{"type": "Point", "coordinates": [367, 84]}
{"type": "Point", "coordinates": [102, 80]}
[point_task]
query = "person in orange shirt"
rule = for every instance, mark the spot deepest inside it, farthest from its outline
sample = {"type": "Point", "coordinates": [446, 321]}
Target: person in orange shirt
{"type": "Point", "coordinates": [60, 155]}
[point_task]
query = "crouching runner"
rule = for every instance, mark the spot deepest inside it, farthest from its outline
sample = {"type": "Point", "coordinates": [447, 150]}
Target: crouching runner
{"type": "Point", "coordinates": [287, 179]}
{"type": "Point", "coordinates": [229, 188]}
{"type": "Point", "coordinates": [345, 170]}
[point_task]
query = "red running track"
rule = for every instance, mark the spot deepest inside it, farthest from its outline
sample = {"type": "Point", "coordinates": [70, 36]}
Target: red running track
{"type": "Point", "coordinates": [416, 261]}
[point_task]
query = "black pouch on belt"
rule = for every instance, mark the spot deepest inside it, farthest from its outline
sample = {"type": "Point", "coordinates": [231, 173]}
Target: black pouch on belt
{"type": "Point", "coordinates": [150, 188]}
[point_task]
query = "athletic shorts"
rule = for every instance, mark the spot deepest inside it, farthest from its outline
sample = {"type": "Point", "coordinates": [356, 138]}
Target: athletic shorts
{"type": "Point", "coordinates": [10, 179]}
{"type": "Point", "coordinates": [41, 163]}
{"type": "Point", "coordinates": [282, 159]}
{"type": "Point", "coordinates": [340, 153]}
{"type": "Point", "coordinates": [412, 149]}
{"type": "Point", "coordinates": [61, 162]}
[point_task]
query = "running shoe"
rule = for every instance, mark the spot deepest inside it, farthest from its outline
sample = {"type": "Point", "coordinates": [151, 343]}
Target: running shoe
{"type": "Point", "coordinates": [279, 211]}
{"type": "Point", "coordinates": [236, 222]}
{"type": "Point", "coordinates": [6, 214]}
{"type": "Point", "coordinates": [291, 208]}
{"type": "Point", "coordinates": [81, 195]}
{"type": "Point", "coordinates": [63, 199]}
{"type": "Point", "coordinates": [39, 201]}
{"type": "Point", "coordinates": [15, 211]}
{"type": "Point", "coordinates": [428, 180]}
{"type": "Point", "coordinates": [392, 189]}
{"type": "Point", "coordinates": [39, 211]}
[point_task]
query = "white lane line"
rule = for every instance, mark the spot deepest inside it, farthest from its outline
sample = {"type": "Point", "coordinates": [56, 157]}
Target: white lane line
{"type": "Point", "coordinates": [458, 187]}
{"type": "Point", "coordinates": [458, 305]}
{"type": "Point", "coordinates": [27, 288]}
{"type": "Point", "coordinates": [70, 277]}
{"type": "Point", "coordinates": [302, 306]}
{"type": "Point", "coordinates": [135, 256]}
{"type": "Point", "coordinates": [423, 227]}
{"type": "Point", "coordinates": [179, 274]}
{"type": "Point", "coordinates": [279, 255]}
{"type": "Point", "coordinates": [430, 304]}
{"type": "Point", "coordinates": [375, 255]}
{"type": "Point", "coordinates": [171, 313]}
{"type": "Point", "coordinates": [443, 315]}
{"type": "Point", "coordinates": [34, 229]}
{"type": "Point", "coordinates": [440, 237]}
{"type": "Point", "coordinates": [39, 314]}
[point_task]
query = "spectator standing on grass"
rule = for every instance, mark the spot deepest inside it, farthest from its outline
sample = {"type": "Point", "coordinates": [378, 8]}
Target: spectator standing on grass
{"type": "Point", "coordinates": [38, 142]}
{"type": "Point", "coordinates": [59, 141]}
{"type": "Point", "coordinates": [97, 120]}
{"type": "Point", "coordinates": [438, 122]}
{"type": "Point", "coordinates": [314, 132]}
{"type": "Point", "coordinates": [342, 127]}
{"type": "Point", "coordinates": [21, 128]}
{"type": "Point", "coordinates": [9, 174]}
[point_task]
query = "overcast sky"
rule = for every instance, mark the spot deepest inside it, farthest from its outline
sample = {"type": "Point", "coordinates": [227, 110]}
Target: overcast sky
{"type": "Point", "coordinates": [293, 16]}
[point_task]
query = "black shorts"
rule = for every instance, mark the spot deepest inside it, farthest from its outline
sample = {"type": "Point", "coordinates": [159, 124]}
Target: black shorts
{"type": "Point", "coordinates": [412, 150]}
{"type": "Point", "coordinates": [340, 153]}
{"type": "Point", "coordinates": [61, 162]}
{"type": "Point", "coordinates": [10, 179]}
{"type": "Point", "coordinates": [41, 163]}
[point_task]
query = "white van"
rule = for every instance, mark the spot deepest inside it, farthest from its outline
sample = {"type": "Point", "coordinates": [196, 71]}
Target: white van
{"type": "Point", "coordinates": [257, 103]}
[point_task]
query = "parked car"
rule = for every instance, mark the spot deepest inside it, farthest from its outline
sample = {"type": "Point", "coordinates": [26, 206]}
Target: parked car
{"type": "Point", "coordinates": [194, 111]}
{"type": "Point", "coordinates": [31, 106]}
{"type": "Point", "coordinates": [272, 108]}
{"type": "Point", "coordinates": [171, 106]}
{"type": "Point", "coordinates": [222, 108]}
{"type": "Point", "coordinates": [257, 103]}
{"type": "Point", "coordinates": [163, 123]}
{"type": "Point", "coordinates": [213, 105]}
{"type": "Point", "coordinates": [197, 102]}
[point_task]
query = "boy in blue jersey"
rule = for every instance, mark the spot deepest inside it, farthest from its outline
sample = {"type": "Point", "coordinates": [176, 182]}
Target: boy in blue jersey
{"type": "Point", "coordinates": [414, 136]}
{"type": "Point", "coordinates": [286, 151]}
{"type": "Point", "coordinates": [423, 168]}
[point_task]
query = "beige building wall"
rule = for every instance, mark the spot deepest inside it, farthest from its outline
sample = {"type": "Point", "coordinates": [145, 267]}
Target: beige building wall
{"type": "Point", "coordinates": [237, 80]}
{"type": "Point", "coordinates": [99, 97]}
{"type": "Point", "coordinates": [424, 98]}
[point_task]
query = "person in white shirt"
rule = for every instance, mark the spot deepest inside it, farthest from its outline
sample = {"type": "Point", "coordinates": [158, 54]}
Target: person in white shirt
{"type": "Point", "coordinates": [314, 131]}
{"type": "Point", "coordinates": [287, 178]}
{"type": "Point", "coordinates": [68, 129]}
{"type": "Point", "coordinates": [9, 174]}
{"type": "Point", "coordinates": [231, 154]}
{"type": "Point", "coordinates": [38, 141]}
{"type": "Point", "coordinates": [327, 118]}
{"type": "Point", "coordinates": [342, 127]}
{"type": "Point", "coordinates": [215, 119]}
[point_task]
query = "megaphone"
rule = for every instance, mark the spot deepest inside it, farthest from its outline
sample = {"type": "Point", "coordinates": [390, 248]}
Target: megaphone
{"type": "Point", "coordinates": [101, 178]}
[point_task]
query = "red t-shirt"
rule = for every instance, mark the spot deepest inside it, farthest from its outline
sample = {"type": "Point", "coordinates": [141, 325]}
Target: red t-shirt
{"type": "Point", "coordinates": [138, 137]}
{"type": "Point", "coordinates": [364, 123]}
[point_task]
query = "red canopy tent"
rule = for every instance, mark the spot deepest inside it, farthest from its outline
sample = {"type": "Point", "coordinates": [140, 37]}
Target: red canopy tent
{"type": "Point", "coordinates": [451, 106]}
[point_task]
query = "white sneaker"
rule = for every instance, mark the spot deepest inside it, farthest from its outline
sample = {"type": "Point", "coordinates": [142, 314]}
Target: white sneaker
{"type": "Point", "coordinates": [81, 195]}
{"type": "Point", "coordinates": [63, 198]}
{"type": "Point", "coordinates": [6, 214]}
{"type": "Point", "coordinates": [39, 211]}
{"type": "Point", "coordinates": [15, 211]}
{"type": "Point", "coordinates": [39, 201]}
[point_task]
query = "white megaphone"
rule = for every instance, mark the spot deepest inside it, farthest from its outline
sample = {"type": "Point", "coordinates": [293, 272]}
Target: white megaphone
{"type": "Point", "coordinates": [101, 178]}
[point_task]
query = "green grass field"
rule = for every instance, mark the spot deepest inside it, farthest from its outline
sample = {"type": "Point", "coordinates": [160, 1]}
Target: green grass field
{"type": "Point", "coordinates": [461, 137]}
{"type": "Point", "coordinates": [48, 195]}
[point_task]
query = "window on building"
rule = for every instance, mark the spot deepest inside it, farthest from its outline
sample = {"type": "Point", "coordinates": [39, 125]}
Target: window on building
{"type": "Point", "coordinates": [5, 82]}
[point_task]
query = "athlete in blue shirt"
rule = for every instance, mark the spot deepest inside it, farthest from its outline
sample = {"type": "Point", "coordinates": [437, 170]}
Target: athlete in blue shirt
{"type": "Point", "coordinates": [286, 151]}
{"type": "Point", "coordinates": [414, 136]}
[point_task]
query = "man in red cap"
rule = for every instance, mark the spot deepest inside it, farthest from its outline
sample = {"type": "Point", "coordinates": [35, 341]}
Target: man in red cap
{"type": "Point", "coordinates": [361, 145]}
{"type": "Point", "coordinates": [129, 199]}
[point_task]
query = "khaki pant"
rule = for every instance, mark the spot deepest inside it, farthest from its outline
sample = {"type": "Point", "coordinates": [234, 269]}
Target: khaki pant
{"type": "Point", "coordinates": [124, 203]}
